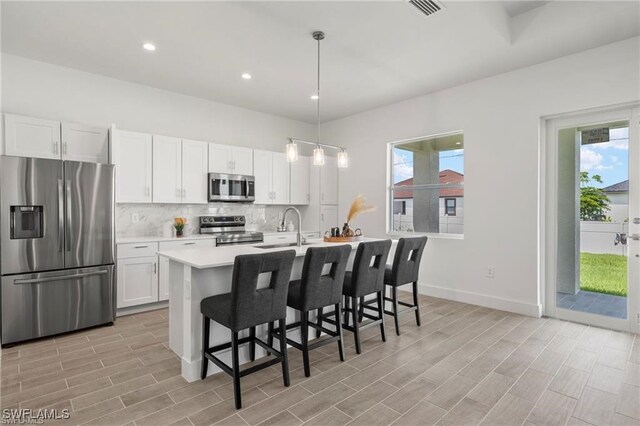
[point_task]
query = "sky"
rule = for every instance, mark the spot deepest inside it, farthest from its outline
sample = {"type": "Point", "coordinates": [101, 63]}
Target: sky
{"type": "Point", "coordinates": [610, 159]}
{"type": "Point", "coordinates": [403, 163]}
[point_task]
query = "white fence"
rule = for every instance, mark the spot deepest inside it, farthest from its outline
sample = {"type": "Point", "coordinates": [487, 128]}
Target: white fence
{"type": "Point", "coordinates": [600, 237]}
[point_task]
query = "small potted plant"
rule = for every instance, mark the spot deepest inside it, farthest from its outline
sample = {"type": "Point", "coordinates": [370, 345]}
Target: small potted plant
{"type": "Point", "coordinates": [179, 223]}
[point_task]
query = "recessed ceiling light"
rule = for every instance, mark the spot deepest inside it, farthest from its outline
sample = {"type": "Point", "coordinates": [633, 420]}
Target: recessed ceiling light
{"type": "Point", "coordinates": [314, 97]}
{"type": "Point", "coordinates": [246, 76]}
{"type": "Point", "coordinates": [458, 143]}
{"type": "Point", "coordinates": [149, 46]}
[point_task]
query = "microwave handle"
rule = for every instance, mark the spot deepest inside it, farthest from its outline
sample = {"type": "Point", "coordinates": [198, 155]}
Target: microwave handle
{"type": "Point", "coordinates": [246, 188]}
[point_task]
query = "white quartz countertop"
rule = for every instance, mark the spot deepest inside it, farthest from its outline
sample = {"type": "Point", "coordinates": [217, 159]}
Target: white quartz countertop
{"type": "Point", "coordinates": [304, 231]}
{"type": "Point", "coordinates": [151, 239]}
{"type": "Point", "coordinates": [225, 256]}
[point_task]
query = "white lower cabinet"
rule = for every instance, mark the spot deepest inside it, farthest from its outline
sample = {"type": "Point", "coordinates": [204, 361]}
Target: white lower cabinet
{"type": "Point", "coordinates": [283, 238]}
{"type": "Point", "coordinates": [143, 276]}
{"type": "Point", "coordinates": [137, 281]}
{"type": "Point", "coordinates": [328, 218]}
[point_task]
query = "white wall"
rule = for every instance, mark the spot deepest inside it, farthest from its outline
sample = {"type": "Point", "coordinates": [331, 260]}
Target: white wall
{"type": "Point", "coordinates": [49, 91]}
{"type": "Point", "coordinates": [500, 117]}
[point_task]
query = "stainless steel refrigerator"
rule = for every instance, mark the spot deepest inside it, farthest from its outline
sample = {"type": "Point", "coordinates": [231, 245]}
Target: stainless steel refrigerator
{"type": "Point", "coordinates": [56, 246]}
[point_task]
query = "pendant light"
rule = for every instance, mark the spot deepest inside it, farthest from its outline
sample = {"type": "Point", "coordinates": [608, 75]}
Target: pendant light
{"type": "Point", "coordinates": [291, 149]}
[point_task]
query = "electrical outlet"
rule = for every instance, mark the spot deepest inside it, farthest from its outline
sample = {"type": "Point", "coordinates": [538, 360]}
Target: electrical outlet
{"type": "Point", "coordinates": [491, 272]}
{"type": "Point", "coordinates": [135, 217]}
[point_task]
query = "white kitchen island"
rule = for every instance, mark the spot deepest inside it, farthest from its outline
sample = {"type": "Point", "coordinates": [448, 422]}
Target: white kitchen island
{"type": "Point", "coordinates": [199, 273]}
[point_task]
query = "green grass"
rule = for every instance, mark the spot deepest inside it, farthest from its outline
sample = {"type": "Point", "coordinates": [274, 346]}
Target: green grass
{"type": "Point", "coordinates": [603, 273]}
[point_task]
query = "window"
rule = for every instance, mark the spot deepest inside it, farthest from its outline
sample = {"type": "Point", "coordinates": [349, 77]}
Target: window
{"type": "Point", "coordinates": [450, 206]}
{"type": "Point", "coordinates": [427, 190]}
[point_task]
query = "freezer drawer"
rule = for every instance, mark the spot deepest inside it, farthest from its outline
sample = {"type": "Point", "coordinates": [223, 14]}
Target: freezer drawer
{"type": "Point", "coordinates": [43, 304]}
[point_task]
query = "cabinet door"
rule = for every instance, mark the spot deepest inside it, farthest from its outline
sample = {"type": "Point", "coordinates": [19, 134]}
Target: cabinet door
{"type": "Point", "coordinates": [132, 155]}
{"type": "Point", "coordinates": [85, 143]}
{"type": "Point", "coordinates": [194, 172]}
{"type": "Point", "coordinates": [167, 169]}
{"type": "Point", "coordinates": [163, 279]}
{"type": "Point", "coordinates": [283, 238]}
{"type": "Point", "coordinates": [31, 137]}
{"type": "Point", "coordinates": [219, 158]}
{"type": "Point", "coordinates": [329, 181]}
{"type": "Point", "coordinates": [328, 218]}
{"type": "Point", "coordinates": [299, 181]}
{"type": "Point", "coordinates": [262, 170]}
{"type": "Point", "coordinates": [242, 161]}
{"type": "Point", "coordinates": [280, 178]}
{"type": "Point", "coordinates": [137, 281]}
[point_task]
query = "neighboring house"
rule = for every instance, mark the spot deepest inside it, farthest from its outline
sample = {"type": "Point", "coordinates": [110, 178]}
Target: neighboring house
{"type": "Point", "coordinates": [618, 195]}
{"type": "Point", "coordinates": [451, 203]}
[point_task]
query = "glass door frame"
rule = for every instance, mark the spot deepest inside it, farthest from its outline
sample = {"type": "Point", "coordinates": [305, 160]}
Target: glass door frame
{"type": "Point", "coordinates": [548, 214]}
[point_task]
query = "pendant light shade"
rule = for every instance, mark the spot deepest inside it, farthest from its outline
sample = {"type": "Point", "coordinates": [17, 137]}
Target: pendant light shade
{"type": "Point", "coordinates": [343, 159]}
{"type": "Point", "coordinates": [318, 156]}
{"type": "Point", "coordinates": [291, 151]}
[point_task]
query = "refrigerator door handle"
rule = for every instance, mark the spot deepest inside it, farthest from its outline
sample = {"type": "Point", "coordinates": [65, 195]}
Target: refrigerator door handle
{"type": "Point", "coordinates": [61, 277]}
{"type": "Point", "coordinates": [60, 215]}
{"type": "Point", "coordinates": [67, 229]}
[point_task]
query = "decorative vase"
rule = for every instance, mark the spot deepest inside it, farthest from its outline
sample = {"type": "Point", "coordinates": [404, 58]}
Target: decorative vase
{"type": "Point", "coordinates": [179, 233]}
{"type": "Point", "coordinates": [347, 231]}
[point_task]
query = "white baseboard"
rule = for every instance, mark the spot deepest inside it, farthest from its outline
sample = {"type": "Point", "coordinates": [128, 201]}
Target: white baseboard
{"type": "Point", "coordinates": [141, 308]}
{"type": "Point", "coordinates": [503, 304]}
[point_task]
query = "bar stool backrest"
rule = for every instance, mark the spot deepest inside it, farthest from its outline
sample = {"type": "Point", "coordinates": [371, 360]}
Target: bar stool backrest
{"type": "Point", "coordinates": [250, 305]}
{"type": "Point", "coordinates": [318, 290]}
{"type": "Point", "coordinates": [368, 267]}
{"type": "Point", "coordinates": [406, 262]}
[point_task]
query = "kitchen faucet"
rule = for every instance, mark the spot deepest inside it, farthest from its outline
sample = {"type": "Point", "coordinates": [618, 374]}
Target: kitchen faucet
{"type": "Point", "coordinates": [284, 216]}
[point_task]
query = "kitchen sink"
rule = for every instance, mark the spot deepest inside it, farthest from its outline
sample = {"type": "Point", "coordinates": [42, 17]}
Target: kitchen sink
{"type": "Point", "coordinates": [282, 245]}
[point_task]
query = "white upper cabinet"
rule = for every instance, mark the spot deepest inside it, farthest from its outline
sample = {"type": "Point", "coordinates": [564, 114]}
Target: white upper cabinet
{"type": "Point", "coordinates": [328, 218]}
{"type": "Point", "coordinates": [194, 172]}
{"type": "Point", "coordinates": [300, 193]}
{"type": "Point", "coordinates": [85, 143]}
{"type": "Point", "coordinates": [132, 155]}
{"type": "Point", "coordinates": [329, 181]}
{"type": "Point", "coordinates": [230, 159]}
{"type": "Point", "coordinates": [263, 171]}
{"type": "Point", "coordinates": [242, 161]}
{"type": "Point", "coordinates": [167, 169]}
{"type": "Point", "coordinates": [31, 137]}
{"type": "Point", "coordinates": [271, 171]}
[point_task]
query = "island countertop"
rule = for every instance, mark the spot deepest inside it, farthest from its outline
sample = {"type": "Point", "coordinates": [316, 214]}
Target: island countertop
{"type": "Point", "coordinates": [225, 256]}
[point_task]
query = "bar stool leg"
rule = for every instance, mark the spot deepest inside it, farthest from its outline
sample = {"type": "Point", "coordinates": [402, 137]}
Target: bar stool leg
{"type": "Point", "coordinates": [338, 307]}
{"type": "Point", "coordinates": [283, 350]}
{"type": "Point", "coordinates": [304, 337]}
{"type": "Point", "coordinates": [252, 344]}
{"type": "Point", "coordinates": [356, 327]}
{"type": "Point", "coordinates": [236, 370]}
{"type": "Point", "coordinates": [319, 322]}
{"type": "Point", "coordinates": [415, 302]}
{"type": "Point", "coordinates": [394, 297]}
{"type": "Point", "coordinates": [270, 336]}
{"type": "Point", "coordinates": [346, 311]}
{"type": "Point", "coordinates": [361, 310]}
{"type": "Point", "coordinates": [380, 296]}
{"type": "Point", "coordinates": [205, 346]}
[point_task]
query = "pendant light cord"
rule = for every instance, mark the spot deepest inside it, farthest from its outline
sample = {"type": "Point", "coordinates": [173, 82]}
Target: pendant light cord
{"type": "Point", "coordinates": [318, 89]}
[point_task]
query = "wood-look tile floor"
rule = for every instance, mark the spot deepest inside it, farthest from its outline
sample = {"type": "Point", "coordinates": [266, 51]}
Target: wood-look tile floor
{"type": "Point", "coordinates": [466, 365]}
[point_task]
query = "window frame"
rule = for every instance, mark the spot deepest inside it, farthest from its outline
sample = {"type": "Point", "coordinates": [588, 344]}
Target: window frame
{"type": "Point", "coordinates": [391, 187]}
{"type": "Point", "coordinates": [446, 207]}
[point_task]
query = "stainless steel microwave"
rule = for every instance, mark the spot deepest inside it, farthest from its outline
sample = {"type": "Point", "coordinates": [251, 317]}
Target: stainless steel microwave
{"type": "Point", "coordinates": [238, 188]}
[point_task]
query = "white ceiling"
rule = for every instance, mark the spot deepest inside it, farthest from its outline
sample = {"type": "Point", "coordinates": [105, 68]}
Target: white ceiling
{"type": "Point", "coordinates": [375, 53]}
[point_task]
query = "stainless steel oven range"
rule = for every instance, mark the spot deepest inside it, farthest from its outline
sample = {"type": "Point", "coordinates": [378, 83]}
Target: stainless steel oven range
{"type": "Point", "coordinates": [229, 230]}
{"type": "Point", "coordinates": [56, 247]}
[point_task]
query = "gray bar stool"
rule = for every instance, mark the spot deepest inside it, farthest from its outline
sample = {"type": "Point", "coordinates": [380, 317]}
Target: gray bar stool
{"type": "Point", "coordinates": [316, 291]}
{"type": "Point", "coordinates": [405, 270]}
{"type": "Point", "coordinates": [367, 277]}
{"type": "Point", "coordinates": [247, 307]}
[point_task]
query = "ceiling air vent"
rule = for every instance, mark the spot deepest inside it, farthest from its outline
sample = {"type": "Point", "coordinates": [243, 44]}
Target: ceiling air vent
{"type": "Point", "coordinates": [428, 7]}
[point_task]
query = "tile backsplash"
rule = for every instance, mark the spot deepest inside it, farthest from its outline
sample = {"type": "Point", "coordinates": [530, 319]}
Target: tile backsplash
{"type": "Point", "coordinates": [157, 219]}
